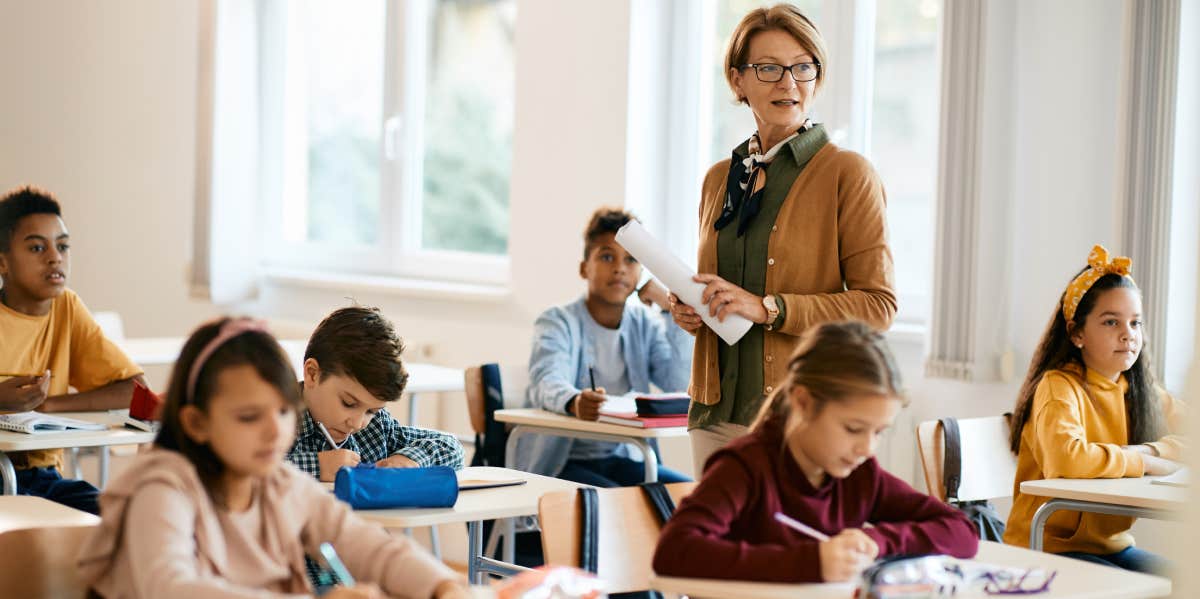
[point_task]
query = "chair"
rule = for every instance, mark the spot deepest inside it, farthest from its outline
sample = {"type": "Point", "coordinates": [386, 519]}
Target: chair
{"type": "Point", "coordinates": [491, 387]}
{"type": "Point", "coordinates": [628, 527]}
{"type": "Point", "coordinates": [988, 466]}
{"type": "Point", "coordinates": [509, 383]}
{"type": "Point", "coordinates": [40, 562]}
{"type": "Point", "coordinates": [39, 539]}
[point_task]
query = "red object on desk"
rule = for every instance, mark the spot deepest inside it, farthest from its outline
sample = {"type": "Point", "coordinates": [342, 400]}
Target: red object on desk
{"type": "Point", "coordinates": [145, 405]}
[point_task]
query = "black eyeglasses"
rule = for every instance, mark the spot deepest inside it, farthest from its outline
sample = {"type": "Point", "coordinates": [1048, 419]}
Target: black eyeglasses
{"type": "Point", "coordinates": [802, 72]}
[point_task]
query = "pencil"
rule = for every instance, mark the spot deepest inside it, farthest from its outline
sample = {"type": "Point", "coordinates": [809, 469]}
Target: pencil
{"type": "Point", "coordinates": [800, 526]}
{"type": "Point", "coordinates": [328, 437]}
{"type": "Point", "coordinates": [592, 376]}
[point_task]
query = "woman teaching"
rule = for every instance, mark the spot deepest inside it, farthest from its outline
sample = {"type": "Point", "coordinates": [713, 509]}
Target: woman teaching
{"type": "Point", "coordinates": [793, 230]}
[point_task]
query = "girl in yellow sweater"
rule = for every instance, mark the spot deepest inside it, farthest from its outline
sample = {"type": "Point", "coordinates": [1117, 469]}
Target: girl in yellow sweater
{"type": "Point", "coordinates": [1089, 408]}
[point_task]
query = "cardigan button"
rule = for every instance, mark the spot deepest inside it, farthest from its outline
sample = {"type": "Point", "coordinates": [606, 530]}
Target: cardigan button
{"type": "Point", "coordinates": [770, 359]}
{"type": "Point", "coordinates": [774, 228]}
{"type": "Point", "coordinates": [770, 388]}
{"type": "Point", "coordinates": [770, 261]}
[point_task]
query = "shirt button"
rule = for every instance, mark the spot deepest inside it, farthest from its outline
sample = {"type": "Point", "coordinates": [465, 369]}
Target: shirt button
{"type": "Point", "coordinates": [769, 388]}
{"type": "Point", "coordinates": [771, 261]}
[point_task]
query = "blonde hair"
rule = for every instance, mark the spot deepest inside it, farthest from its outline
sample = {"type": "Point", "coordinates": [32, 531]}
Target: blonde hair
{"type": "Point", "coordinates": [781, 17]}
{"type": "Point", "coordinates": [835, 361]}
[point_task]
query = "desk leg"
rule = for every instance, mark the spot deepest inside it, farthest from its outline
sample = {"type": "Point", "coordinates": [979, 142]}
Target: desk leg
{"type": "Point", "coordinates": [650, 458]}
{"type": "Point", "coordinates": [510, 447]}
{"type": "Point", "coordinates": [104, 453]}
{"type": "Point", "coordinates": [474, 552]}
{"type": "Point", "coordinates": [412, 409]}
{"type": "Point", "coordinates": [8, 474]}
{"type": "Point", "coordinates": [1037, 527]}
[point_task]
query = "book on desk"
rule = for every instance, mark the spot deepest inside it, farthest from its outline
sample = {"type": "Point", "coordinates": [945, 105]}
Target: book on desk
{"type": "Point", "coordinates": [646, 410]}
{"type": "Point", "coordinates": [37, 422]}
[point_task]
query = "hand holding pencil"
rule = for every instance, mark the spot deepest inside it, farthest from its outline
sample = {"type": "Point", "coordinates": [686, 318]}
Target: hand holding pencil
{"type": "Point", "coordinates": [844, 555]}
{"type": "Point", "coordinates": [21, 393]}
{"type": "Point", "coordinates": [588, 402]}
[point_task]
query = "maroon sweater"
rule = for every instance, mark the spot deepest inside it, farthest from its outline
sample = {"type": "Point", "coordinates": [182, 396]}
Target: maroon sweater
{"type": "Point", "coordinates": [726, 527]}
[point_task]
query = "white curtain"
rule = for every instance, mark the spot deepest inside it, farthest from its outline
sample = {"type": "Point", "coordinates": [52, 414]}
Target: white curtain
{"type": "Point", "coordinates": [224, 268]}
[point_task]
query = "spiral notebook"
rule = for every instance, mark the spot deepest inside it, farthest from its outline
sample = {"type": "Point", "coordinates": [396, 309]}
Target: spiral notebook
{"type": "Point", "coordinates": [36, 422]}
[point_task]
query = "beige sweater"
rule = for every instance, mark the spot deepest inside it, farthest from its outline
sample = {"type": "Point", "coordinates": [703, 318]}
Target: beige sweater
{"type": "Point", "coordinates": [162, 536]}
{"type": "Point", "coordinates": [828, 258]}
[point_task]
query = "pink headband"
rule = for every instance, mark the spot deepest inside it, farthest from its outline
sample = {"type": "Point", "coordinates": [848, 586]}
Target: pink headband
{"type": "Point", "coordinates": [229, 330]}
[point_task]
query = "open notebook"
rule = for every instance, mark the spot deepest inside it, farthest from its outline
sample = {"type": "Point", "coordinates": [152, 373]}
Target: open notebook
{"type": "Point", "coordinates": [36, 422]}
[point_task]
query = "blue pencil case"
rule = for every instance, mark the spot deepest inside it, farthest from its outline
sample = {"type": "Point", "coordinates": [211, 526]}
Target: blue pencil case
{"type": "Point", "coordinates": [370, 488]}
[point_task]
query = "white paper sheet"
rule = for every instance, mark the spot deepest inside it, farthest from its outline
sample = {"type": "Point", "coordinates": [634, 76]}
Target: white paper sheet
{"type": "Point", "coordinates": [676, 275]}
{"type": "Point", "coordinates": [1180, 478]}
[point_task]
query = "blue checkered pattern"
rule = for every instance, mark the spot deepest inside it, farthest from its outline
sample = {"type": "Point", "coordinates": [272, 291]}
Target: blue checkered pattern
{"type": "Point", "coordinates": [382, 438]}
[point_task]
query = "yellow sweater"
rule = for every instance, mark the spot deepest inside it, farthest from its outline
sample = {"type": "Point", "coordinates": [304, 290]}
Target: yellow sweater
{"type": "Point", "coordinates": [1076, 431]}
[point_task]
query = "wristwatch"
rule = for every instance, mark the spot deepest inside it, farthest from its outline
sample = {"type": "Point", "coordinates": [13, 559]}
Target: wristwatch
{"type": "Point", "coordinates": [768, 302]}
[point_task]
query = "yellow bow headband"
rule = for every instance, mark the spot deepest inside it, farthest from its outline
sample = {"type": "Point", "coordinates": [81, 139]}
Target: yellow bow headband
{"type": "Point", "coordinates": [1099, 264]}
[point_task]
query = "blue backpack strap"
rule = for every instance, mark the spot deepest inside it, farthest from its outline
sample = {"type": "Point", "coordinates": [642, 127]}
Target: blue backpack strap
{"type": "Point", "coordinates": [489, 447]}
{"type": "Point", "coordinates": [589, 537]}
{"type": "Point", "coordinates": [664, 506]}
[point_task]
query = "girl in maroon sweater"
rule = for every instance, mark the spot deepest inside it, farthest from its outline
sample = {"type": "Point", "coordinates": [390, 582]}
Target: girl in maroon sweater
{"type": "Point", "coordinates": [810, 455]}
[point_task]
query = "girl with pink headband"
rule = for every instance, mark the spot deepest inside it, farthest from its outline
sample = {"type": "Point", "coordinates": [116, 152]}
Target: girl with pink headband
{"type": "Point", "coordinates": [213, 510]}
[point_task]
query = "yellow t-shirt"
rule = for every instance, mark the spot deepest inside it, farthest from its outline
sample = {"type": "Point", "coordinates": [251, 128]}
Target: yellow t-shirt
{"type": "Point", "coordinates": [1077, 432]}
{"type": "Point", "coordinates": [69, 343]}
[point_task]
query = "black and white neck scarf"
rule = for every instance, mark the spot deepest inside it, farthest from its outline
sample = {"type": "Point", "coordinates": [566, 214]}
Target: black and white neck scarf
{"type": "Point", "coordinates": [747, 180]}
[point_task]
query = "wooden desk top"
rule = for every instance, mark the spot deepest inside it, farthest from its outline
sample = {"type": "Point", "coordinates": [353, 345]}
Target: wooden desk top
{"type": "Point", "coordinates": [25, 511]}
{"type": "Point", "coordinates": [1135, 492]}
{"type": "Point", "coordinates": [1076, 579]}
{"type": "Point", "coordinates": [537, 417]}
{"type": "Point", "coordinates": [117, 434]}
{"type": "Point", "coordinates": [477, 504]}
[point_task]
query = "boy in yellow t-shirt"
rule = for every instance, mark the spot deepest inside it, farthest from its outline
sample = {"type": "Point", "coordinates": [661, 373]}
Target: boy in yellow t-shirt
{"type": "Point", "coordinates": [50, 341]}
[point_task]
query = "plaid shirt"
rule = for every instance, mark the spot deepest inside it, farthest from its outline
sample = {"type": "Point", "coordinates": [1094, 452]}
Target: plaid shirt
{"type": "Point", "coordinates": [382, 438]}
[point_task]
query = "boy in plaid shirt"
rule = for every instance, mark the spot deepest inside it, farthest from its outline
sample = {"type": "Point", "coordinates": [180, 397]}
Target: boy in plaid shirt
{"type": "Point", "coordinates": [352, 369]}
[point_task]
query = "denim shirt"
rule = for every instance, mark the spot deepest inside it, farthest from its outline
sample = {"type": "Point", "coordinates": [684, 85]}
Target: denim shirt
{"type": "Point", "coordinates": [656, 351]}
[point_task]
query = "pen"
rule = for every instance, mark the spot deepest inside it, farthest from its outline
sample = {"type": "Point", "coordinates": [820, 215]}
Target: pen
{"type": "Point", "coordinates": [328, 437]}
{"type": "Point", "coordinates": [332, 562]}
{"type": "Point", "coordinates": [592, 376]}
{"type": "Point", "coordinates": [800, 526]}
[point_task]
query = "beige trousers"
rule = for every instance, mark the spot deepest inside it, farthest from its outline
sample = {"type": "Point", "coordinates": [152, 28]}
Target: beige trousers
{"type": "Point", "coordinates": [706, 441]}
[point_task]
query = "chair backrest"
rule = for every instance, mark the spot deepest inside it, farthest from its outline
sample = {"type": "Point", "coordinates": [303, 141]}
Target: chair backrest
{"type": "Point", "coordinates": [111, 324]}
{"type": "Point", "coordinates": [988, 466]}
{"type": "Point", "coordinates": [514, 380]}
{"type": "Point", "coordinates": [628, 527]}
{"type": "Point", "coordinates": [40, 562]}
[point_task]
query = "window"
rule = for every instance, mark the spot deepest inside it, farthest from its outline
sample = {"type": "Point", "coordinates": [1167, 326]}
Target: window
{"type": "Point", "coordinates": [387, 136]}
{"type": "Point", "coordinates": [881, 100]}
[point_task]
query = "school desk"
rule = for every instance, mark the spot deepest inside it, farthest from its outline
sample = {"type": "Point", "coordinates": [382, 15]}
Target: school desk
{"type": "Point", "coordinates": [1075, 579]}
{"type": "Point", "coordinates": [26, 511]}
{"type": "Point", "coordinates": [528, 421]}
{"type": "Point", "coordinates": [1136, 497]}
{"type": "Point", "coordinates": [475, 506]}
{"type": "Point", "coordinates": [422, 378]}
{"type": "Point", "coordinates": [117, 434]}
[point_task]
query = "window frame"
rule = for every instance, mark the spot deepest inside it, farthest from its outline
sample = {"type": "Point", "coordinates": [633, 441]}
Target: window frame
{"type": "Point", "coordinates": [397, 252]}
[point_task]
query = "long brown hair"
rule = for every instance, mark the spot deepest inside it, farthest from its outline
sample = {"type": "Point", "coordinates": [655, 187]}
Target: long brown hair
{"type": "Point", "coordinates": [835, 361]}
{"type": "Point", "coordinates": [1142, 407]}
{"type": "Point", "coordinates": [256, 349]}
